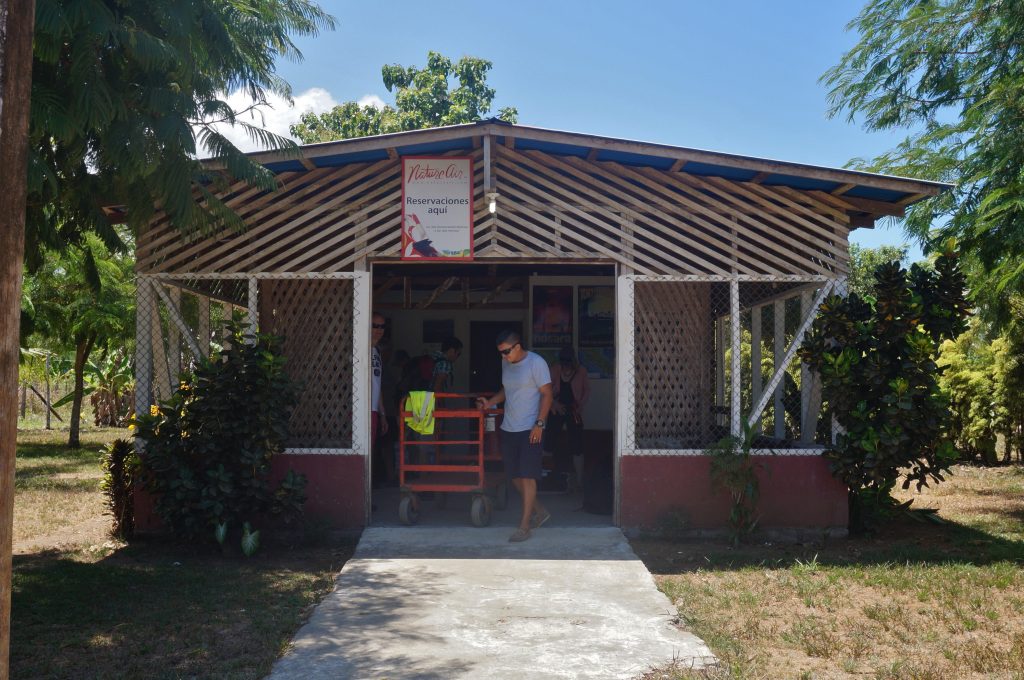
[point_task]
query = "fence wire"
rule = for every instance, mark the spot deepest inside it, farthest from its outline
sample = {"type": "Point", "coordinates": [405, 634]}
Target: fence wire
{"type": "Point", "coordinates": [182, 321]}
{"type": "Point", "coordinates": [684, 365]}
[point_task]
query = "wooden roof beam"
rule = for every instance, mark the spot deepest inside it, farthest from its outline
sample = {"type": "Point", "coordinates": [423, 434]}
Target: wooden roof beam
{"type": "Point", "coordinates": [843, 189]}
{"type": "Point", "coordinates": [448, 283]}
{"type": "Point", "coordinates": [501, 288]}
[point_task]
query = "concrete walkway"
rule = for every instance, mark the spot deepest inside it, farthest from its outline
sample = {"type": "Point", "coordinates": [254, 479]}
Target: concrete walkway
{"type": "Point", "coordinates": [461, 602]}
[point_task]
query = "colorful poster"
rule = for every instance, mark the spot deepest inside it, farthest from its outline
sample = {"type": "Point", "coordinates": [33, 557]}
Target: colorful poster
{"type": "Point", "coordinates": [437, 208]}
{"type": "Point", "coordinates": [597, 316]}
{"type": "Point", "coordinates": [599, 361]}
{"type": "Point", "coordinates": [552, 316]}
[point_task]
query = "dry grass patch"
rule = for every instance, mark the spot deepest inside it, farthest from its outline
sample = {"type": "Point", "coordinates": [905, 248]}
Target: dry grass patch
{"type": "Point", "coordinates": [916, 602]}
{"type": "Point", "coordinates": [57, 488]}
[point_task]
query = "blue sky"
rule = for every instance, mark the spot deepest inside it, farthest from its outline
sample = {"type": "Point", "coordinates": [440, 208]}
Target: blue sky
{"type": "Point", "coordinates": [740, 77]}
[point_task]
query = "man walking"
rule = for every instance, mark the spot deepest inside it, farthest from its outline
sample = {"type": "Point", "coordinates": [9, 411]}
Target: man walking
{"type": "Point", "coordinates": [526, 392]}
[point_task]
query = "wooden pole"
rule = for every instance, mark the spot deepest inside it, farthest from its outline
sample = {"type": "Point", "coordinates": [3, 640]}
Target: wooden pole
{"type": "Point", "coordinates": [17, 19]}
{"type": "Point", "coordinates": [24, 399]}
{"type": "Point", "coordinates": [46, 399]}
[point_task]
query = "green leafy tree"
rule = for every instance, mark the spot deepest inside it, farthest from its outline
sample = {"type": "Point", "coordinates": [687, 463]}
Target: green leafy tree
{"type": "Point", "coordinates": [983, 378]}
{"type": "Point", "coordinates": [83, 300]}
{"type": "Point", "coordinates": [126, 92]}
{"type": "Point", "coordinates": [864, 262]}
{"type": "Point", "coordinates": [876, 357]}
{"type": "Point", "coordinates": [424, 98]}
{"type": "Point", "coordinates": [952, 72]}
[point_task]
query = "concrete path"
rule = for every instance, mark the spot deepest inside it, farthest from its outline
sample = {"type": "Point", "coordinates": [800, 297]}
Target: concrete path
{"type": "Point", "coordinates": [461, 602]}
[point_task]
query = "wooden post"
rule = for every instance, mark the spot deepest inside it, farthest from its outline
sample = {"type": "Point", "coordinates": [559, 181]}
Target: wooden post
{"type": "Point", "coordinates": [253, 309]}
{"type": "Point", "coordinates": [17, 19]}
{"type": "Point", "coordinates": [779, 351]}
{"type": "Point", "coordinates": [24, 399]}
{"type": "Point", "coordinates": [204, 326]}
{"type": "Point", "coordinates": [719, 370]}
{"type": "Point", "coordinates": [756, 379]}
{"type": "Point", "coordinates": [735, 423]}
{"type": "Point", "coordinates": [144, 302]}
{"type": "Point", "coordinates": [174, 333]}
{"type": "Point", "coordinates": [805, 372]}
{"type": "Point", "coordinates": [46, 378]}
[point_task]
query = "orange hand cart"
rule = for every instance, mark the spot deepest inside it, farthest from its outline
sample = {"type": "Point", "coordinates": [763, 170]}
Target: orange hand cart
{"type": "Point", "coordinates": [460, 465]}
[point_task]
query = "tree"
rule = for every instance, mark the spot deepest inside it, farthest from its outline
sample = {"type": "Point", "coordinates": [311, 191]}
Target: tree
{"type": "Point", "coordinates": [876, 357]}
{"type": "Point", "coordinates": [124, 94]}
{"type": "Point", "coordinates": [953, 72]}
{"type": "Point", "coordinates": [423, 99]}
{"type": "Point", "coordinates": [864, 262]}
{"type": "Point", "coordinates": [83, 300]}
{"type": "Point", "coordinates": [16, 24]}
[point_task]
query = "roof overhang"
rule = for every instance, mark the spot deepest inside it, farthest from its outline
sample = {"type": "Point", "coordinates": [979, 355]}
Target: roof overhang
{"type": "Point", "coordinates": [874, 195]}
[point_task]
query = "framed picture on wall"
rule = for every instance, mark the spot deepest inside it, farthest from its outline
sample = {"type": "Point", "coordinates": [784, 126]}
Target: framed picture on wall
{"type": "Point", "coordinates": [436, 330]}
{"type": "Point", "coordinates": [599, 362]}
{"type": "Point", "coordinates": [552, 316]}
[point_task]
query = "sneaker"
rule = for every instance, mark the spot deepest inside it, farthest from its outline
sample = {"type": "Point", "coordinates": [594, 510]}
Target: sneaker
{"type": "Point", "coordinates": [537, 520]}
{"type": "Point", "coordinates": [519, 536]}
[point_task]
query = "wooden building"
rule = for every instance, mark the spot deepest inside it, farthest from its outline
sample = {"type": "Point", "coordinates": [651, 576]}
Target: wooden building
{"type": "Point", "coordinates": [708, 264]}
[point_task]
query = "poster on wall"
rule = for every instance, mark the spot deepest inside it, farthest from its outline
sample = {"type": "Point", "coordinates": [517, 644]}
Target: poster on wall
{"type": "Point", "coordinates": [598, 361]}
{"type": "Point", "coordinates": [597, 316]}
{"type": "Point", "coordinates": [552, 316]}
{"type": "Point", "coordinates": [437, 208]}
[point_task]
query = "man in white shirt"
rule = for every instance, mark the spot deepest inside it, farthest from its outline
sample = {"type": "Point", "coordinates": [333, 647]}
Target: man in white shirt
{"type": "Point", "coordinates": [526, 392]}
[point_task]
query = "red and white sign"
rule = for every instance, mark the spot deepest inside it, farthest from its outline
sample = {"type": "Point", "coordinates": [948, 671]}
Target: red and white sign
{"type": "Point", "coordinates": [437, 208]}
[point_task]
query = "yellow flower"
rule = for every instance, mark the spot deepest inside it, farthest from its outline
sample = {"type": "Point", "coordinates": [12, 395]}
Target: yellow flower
{"type": "Point", "coordinates": [153, 410]}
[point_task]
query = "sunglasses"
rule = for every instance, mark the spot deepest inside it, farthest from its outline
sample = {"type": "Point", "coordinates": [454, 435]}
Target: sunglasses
{"type": "Point", "coordinates": [508, 350]}
{"type": "Point", "coordinates": [381, 326]}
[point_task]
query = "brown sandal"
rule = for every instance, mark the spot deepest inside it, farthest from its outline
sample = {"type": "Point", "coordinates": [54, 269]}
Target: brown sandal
{"type": "Point", "coordinates": [519, 536]}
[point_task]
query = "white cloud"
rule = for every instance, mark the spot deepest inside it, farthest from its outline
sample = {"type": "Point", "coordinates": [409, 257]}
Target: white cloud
{"type": "Point", "coordinates": [371, 100]}
{"type": "Point", "coordinates": [276, 117]}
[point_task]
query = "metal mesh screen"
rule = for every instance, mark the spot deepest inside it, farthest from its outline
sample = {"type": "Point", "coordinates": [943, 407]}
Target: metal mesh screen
{"type": "Point", "coordinates": [685, 373]}
{"type": "Point", "coordinates": [181, 320]}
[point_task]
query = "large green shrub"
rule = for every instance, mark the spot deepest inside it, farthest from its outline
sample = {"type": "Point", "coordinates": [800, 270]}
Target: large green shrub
{"type": "Point", "coordinates": [877, 360]}
{"type": "Point", "coordinates": [207, 450]}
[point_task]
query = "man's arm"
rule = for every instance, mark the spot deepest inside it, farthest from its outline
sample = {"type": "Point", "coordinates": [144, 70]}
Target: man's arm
{"type": "Point", "coordinates": [498, 398]}
{"type": "Point", "coordinates": [546, 397]}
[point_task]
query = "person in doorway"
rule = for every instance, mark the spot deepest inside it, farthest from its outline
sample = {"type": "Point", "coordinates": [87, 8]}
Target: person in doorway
{"type": "Point", "coordinates": [444, 369]}
{"type": "Point", "coordinates": [378, 417]}
{"type": "Point", "coordinates": [526, 392]}
{"type": "Point", "coordinates": [570, 390]}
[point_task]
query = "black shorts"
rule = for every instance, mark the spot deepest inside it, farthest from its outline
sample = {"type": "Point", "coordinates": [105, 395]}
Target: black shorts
{"type": "Point", "coordinates": [522, 459]}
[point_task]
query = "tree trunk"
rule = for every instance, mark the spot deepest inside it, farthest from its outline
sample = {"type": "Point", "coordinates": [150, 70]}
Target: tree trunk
{"type": "Point", "coordinates": [81, 356]}
{"type": "Point", "coordinates": [46, 374]}
{"type": "Point", "coordinates": [17, 18]}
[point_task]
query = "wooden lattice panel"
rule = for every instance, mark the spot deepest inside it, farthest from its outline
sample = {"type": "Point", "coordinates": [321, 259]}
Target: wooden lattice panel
{"type": "Point", "coordinates": [314, 316]}
{"type": "Point", "coordinates": [673, 348]}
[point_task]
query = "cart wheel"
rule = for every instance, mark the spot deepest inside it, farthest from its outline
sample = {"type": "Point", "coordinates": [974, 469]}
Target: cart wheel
{"type": "Point", "coordinates": [440, 500]}
{"type": "Point", "coordinates": [407, 511]}
{"type": "Point", "coordinates": [480, 511]}
{"type": "Point", "coordinates": [501, 496]}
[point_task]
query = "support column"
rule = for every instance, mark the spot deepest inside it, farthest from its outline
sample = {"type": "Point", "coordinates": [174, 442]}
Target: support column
{"type": "Point", "coordinates": [778, 353]}
{"type": "Point", "coordinates": [143, 349]}
{"type": "Point", "coordinates": [204, 326]}
{"type": "Point", "coordinates": [252, 318]}
{"type": "Point", "coordinates": [756, 379]}
{"type": "Point", "coordinates": [719, 370]}
{"type": "Point", "coordinates": [806, 379]}
{"type": "Point", "coordinates": [735, 422]}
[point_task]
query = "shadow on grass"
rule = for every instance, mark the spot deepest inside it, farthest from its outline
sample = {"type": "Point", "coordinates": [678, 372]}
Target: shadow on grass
{"type": "Point", "coordinates": [903, 541]}
{"type": "Point", "coordinates": [158, 609]}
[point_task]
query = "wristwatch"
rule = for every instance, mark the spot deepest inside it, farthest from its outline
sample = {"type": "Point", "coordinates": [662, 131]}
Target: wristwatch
{"type": "Point", "coordinates": [539, 423]}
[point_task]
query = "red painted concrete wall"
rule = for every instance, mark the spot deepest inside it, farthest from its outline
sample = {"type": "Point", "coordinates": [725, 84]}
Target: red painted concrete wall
{"type": "Point", "coordinates": [335, 490]}
{"type": "Point", "coordinates": [335, 486]}
{"type": "Point", "coordinates": [796, 492]}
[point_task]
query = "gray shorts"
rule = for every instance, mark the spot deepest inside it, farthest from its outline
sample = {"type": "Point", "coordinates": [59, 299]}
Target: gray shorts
{"type": "Point", "coordinates": [522, 459]}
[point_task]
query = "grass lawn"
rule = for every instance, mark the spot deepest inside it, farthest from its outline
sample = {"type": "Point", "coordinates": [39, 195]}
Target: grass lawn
{"type": "Point", "coordinates": [915, 601]}
{"type": "Point", "coordinates": [56, 487]}
{"type": "Point", "coordinates": [94, 608]}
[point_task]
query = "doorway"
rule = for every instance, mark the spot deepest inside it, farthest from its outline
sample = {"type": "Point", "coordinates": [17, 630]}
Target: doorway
{"type": "Point", "coordinates": [426, 303]}
{"type": "Point", "coordinates": [484, 362]}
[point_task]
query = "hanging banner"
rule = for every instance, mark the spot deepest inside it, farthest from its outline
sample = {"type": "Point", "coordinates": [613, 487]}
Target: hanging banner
{"type": "Point", "coordinates": [437, 208]}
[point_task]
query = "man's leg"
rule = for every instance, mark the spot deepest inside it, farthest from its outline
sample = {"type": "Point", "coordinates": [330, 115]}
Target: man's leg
{"type": "Point", "coordinates": [528, 488]}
